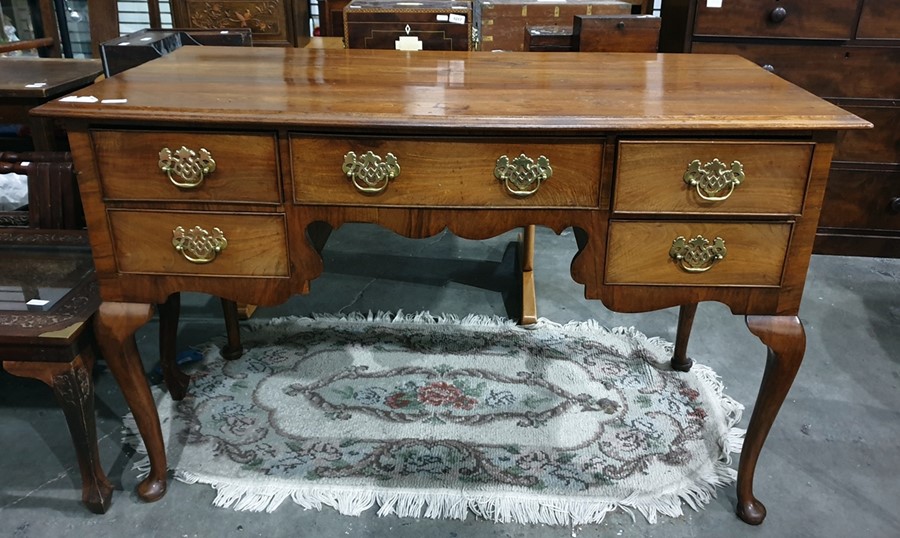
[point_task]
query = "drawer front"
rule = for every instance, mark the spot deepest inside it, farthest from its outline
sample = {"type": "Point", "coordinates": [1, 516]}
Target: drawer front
{"type": "Point", "coordinates": [446, 173]}
{"type": "Point", "coordinates": [823, 19]}
{"type": "Point", "coordinates": [827, 71]}
{"type": "Point", "coordinates": [862, 199]}
{"type": "Point", "coordinates": [639, 253]}
{"type": "Point", "coordinates": [651, 177]}
{"type": "Point", "coordinates": [245, 170]}
{"type": "Point", "coordinates": [880, 19]}
{"type": "Point", "coordinates": [880, 144]}
{"type": "Point", "coordinates": [256, 244]}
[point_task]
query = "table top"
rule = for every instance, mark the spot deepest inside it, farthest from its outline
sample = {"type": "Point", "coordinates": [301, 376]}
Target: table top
{"type": "Point", "coordinates": [45, 77]}
{"type": "Point", "coordinates": [54, 271]}
{"type": "Point", "coordinates": [468, 91]}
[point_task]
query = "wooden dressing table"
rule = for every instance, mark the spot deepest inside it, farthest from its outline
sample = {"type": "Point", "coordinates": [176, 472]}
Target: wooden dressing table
{"type": "Point", "coordinates": [687, 178]}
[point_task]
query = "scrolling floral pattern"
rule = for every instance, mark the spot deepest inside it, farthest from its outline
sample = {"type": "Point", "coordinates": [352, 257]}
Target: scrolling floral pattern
{"type": "Point", "coordinates": [498, 406]}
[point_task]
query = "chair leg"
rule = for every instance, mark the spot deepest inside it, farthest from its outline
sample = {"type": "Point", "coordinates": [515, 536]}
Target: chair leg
{"type": "Point", "coordinates": [529, 298]}
{"type": "Point", "coordinates": [74, 390]}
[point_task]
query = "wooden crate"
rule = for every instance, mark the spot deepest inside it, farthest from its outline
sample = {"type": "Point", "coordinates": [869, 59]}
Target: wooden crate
{"type": "Point", "coordinates": [422, 25]}
{"type": "Point", "coordinates": [503, 22]}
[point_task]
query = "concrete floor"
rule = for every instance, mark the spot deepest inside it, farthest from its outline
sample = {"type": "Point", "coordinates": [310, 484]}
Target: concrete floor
{"type": "Point", "coordinates": [830, 467]}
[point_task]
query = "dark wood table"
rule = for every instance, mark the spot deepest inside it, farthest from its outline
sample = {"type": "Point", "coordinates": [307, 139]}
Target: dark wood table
{"type": "Point", "coordinates": [686, 178]}
{"type": "Point", "coordinates": [28, 82]}
{"type": "Point", "coordinates": [48, 296]}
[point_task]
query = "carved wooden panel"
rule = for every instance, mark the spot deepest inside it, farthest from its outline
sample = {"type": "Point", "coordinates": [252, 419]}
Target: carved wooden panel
{"type": "Point", "coordinates": [272, 22]}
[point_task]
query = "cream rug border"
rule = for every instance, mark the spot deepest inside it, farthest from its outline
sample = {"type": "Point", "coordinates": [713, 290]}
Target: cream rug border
{"type": "Point", "coordinates": [500, 507]}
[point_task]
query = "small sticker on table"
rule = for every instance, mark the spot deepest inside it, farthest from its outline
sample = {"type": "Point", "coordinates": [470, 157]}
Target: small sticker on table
{"type": "Point", "coordinates": [37, 302]}
{"type": "Point", "coordinates": [113, 101]}
{"type": "Point", "coordinates": [455, 18]}
{"type": "Point", "coordinates": [36, 85]}
{"type": "Point", "coordinates": [713, 3]}
{"type": "Point", "coordinates": [79, 99]}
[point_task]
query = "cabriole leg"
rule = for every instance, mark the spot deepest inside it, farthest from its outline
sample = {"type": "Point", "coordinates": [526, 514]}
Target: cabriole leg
{"type": "Point", "coordinates": [115, 325]}
{"type": "Point", "coordinates": [786, 341]}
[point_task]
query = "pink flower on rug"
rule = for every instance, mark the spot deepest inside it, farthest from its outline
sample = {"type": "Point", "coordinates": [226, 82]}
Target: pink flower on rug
{"type": "Point", "coordinates": [398, 400]}
{"type": "Point", "coordinates": [465, 403]}
{"type": "Point", "coordinates": [439, 393]}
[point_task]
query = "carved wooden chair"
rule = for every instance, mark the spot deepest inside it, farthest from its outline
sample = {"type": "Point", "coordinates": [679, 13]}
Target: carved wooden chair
{"type": "Point", "coordinates": [49, 296]}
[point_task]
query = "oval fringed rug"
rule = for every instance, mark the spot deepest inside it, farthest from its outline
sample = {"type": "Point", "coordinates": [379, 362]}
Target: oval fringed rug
{"type": "Point", "coordinates": [442, 417]}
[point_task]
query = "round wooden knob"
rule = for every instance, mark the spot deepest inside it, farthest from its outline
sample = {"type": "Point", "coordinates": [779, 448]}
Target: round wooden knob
{"type": "Point", "coordinates": [895, 205]}
{"type": "Point", "coordinates": [778, 14]}
{"type": "Point", "coordinates": [769, 67]}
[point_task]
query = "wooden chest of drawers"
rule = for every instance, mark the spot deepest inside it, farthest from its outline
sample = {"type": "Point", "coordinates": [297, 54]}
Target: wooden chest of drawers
{"type": "Point", "coordinates": [847, 51]}
{"type": "Point", "coordinates": [503, 22]}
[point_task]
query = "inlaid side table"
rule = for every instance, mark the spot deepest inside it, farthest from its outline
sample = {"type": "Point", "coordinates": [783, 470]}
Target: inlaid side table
{"type": "Point", "coordinates": [48, 296]}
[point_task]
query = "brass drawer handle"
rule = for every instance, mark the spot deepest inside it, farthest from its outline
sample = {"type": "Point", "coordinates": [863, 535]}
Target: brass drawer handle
{"type": "Point", "coordinates": [714, 178]}
{"type": "Point", "coordinates": [522, 176]}
{"type": "Point", "coordinates": [185, 168]}
{"type": "Point", "coordinates": [198, 245]}
{"type": "Point", "coordinates": [697, 255]}
{"type": "Point", "coordinates": [369, 174]}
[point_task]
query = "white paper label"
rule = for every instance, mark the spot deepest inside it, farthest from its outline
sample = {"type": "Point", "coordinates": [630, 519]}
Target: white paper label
{"type": "Point", "coordinates": [36, 85]}
{"type": "Point", "coordinates": [79, 99]}
{"type": "Point", "coordinates": [442, 18]}
{"type": "Point", "coordinates": [37, 302]}
{"type": "Point", "coordinates": [457, 19]}
{"type": "Point", "coordinates": [113, 101]}
{"type": "Point", "coordinates": [713, 3]}
{"type": "Point", "coordinates": [408, 42]}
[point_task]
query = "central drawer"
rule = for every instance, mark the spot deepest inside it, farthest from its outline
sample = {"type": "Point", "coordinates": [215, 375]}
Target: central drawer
{"type": "Point", "coordinates": [202, 166]}
{"type": "Point", "coordinates": [446, 173]}
{"type": "Point", "coordinates": [251, 245]}
{"type": "Point", "coordinates": [752, 178]}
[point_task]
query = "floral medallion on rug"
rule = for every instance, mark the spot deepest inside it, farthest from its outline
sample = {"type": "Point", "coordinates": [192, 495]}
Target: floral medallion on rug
{"type": "Point", "coordinates": [426, 417]}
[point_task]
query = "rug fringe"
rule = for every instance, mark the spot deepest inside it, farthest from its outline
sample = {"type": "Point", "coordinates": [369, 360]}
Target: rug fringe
{"type": "Point", "coordinates": [508, 508]}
